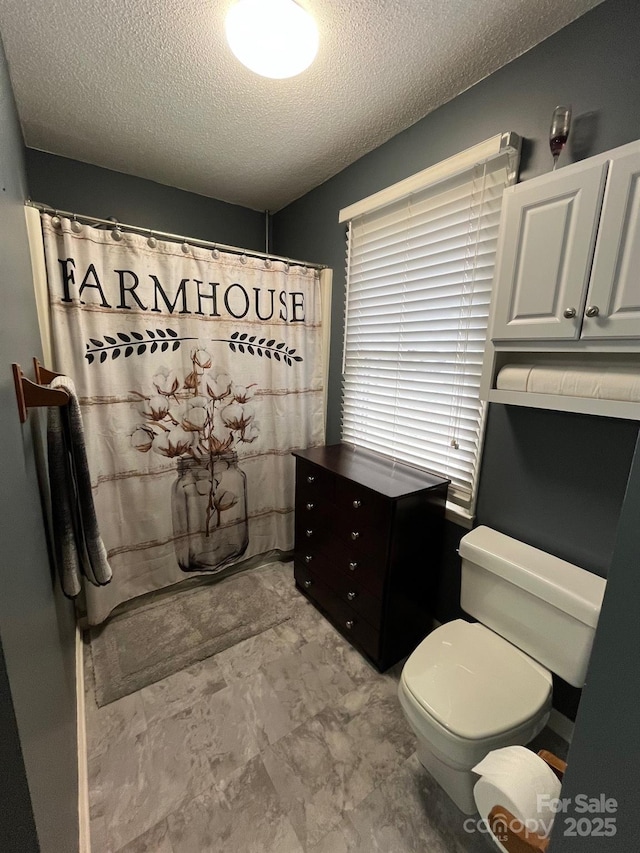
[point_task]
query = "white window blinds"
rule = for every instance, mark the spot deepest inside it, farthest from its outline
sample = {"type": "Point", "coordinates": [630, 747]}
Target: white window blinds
{"type": "Point", "coordinates": [419, 274]}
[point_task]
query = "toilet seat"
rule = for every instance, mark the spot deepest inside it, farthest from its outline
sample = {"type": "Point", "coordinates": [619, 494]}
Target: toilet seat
{"type": "Point", "coordinates": [458, 752]}
{"type": "Point", "coordinates": [475, 685]}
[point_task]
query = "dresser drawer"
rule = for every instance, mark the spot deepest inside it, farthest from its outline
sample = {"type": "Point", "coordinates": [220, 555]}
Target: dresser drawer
{"type": "Point", "coordinates": [303, 575]}
{"type": "Point", "coordinates": [313, 484]}
{"type": "Point", "coordinates": [361, 541]}
{"type": "Point", "coordinates": [313, 513]}
{"type": "Point", "coordinates": [359, 507]}
{"type": "Point", "coordinates": [345, 618]}
{"type": "Point", "coordinates": [311, 558]}
{"type": "Point", "coordinates": [347, 587]}
{"type": "Point", "coordinates": [312, 527]}
{"type": "Point", "coordinates": [367, 571]}
{"type": "Point", "coordinates": [321, 553]}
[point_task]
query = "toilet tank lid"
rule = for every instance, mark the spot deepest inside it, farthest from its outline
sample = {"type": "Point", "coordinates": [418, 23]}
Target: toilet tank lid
{"type": "Point", "coordinates": [569, 588]}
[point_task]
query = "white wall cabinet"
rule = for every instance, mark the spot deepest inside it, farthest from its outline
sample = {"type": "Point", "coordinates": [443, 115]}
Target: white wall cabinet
{"type": "Point", "coordinates": [613, 301]}
{"type": "Point", "coordinates": [567, 285]}
{"type": "Point", "coordinates": [569, 253]}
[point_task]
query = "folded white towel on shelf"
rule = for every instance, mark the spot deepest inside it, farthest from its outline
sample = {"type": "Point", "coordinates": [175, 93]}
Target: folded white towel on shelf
{"type": "Point", "coordinates": [621, 382]}
{"type": "Point", "coordinates": [79, 550]}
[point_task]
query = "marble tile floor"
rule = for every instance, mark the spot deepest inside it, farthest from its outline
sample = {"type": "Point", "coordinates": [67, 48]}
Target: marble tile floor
{"type": "Point", "coordinates": [288, 742]}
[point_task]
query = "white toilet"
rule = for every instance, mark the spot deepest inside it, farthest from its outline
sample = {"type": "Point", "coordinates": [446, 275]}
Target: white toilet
{"type": "Point", "coordinates": [472, 687]}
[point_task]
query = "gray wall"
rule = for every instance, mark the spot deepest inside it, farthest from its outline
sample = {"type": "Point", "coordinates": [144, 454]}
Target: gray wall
{"type": "Point", "coordinates": [554, 480]}
{"type": "Point", "coordinates": [37, 681]}
{"type": "Point", "coordinates": [17, 827]}
{"type": "Point", "coordinates": [603, 758]}
{"type": "Point", "coordinates": [81, 188]}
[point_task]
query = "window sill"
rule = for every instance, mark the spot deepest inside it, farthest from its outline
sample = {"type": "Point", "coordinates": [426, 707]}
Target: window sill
{"type": "Point", "coordinates": [457, 515]}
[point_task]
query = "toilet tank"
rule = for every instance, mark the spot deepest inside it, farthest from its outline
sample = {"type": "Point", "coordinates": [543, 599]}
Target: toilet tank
{"type": "Point", "coordinates": [543, 605]}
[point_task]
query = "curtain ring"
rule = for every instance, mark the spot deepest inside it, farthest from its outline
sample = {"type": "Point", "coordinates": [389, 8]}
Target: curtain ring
{"type": "Point", "coordinates": [76, 226]}
{"type": "Point", "coordinates": [186, 247]}
{"type": "Point", "coordinates": [267, 263]}
{"type": "Point", "coordinates": [56, 222]}
{"type": "Point", "coordinates": [116, 234]}
{"type": "Point", "coordinates": [151, 241]}
{"type": "Point", "coordinates": [287, 266]}
{"type": "Point", "coordinates": [215, 253]}
{"type": "Point", "coordinates": [243, 259]}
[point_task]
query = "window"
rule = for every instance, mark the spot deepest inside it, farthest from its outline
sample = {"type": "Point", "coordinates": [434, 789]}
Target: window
{"type": "Point", "coordinates": [420, 261]}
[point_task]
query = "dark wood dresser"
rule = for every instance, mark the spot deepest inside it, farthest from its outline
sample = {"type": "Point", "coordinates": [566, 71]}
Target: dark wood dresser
{"type": "Point", "coordinates": [368, 542]}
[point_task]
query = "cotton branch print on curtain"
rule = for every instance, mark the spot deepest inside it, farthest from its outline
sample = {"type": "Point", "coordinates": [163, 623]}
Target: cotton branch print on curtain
{"type": "Point", "coordinates": [198, 372]}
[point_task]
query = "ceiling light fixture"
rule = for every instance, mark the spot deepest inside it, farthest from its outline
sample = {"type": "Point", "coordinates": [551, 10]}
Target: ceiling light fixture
{"type": "Point", "coordinates": [273, 38]}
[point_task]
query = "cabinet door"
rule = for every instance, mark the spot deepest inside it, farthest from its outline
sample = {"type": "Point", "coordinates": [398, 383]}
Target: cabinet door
{"type": "Point", "coordinates": [546, 247]}
{"type": "Point", "coordinates": [614, 293]}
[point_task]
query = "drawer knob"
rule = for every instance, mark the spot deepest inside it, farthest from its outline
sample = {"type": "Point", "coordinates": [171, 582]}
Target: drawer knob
{"type": "Point", "coordinates": [309, 533]}
{"type": "Point", "coordinates": [351, 595]}
{"type": "Point", "coordinates": [309, 506]}
{"type": "Point", "coordinates": [354, 535]}
{"type": "Point", "coordinates": [569, 313]}
{"type": "Point", "coordinates": [349, 623]}
{"type": "Point", "coordinates": [307, 584]}
{"type": "Point", "coordinates": [311, 478]}
{"type": "Point", "coordinates": [592, 311]}
{"type": "Point", "coordinates": [308, 558]}
{"type": "Point", "coordinates": [353, 565]}
{"type": "Point", "coordinates": [357, 504]}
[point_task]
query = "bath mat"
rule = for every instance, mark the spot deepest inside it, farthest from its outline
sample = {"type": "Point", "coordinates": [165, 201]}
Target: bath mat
{"type": "Point", "coordinates": [170, 632]}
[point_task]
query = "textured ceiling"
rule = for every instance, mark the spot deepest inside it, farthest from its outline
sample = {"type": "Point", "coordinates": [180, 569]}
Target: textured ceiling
{"type": "Point", "coordinates": [149, 87]}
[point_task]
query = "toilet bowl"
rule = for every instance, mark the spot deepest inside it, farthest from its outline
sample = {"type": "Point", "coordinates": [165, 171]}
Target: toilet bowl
{"type": "Point", "coordinates": [469, 687]}
{"type": "Point", "coordinates": [466, 691]}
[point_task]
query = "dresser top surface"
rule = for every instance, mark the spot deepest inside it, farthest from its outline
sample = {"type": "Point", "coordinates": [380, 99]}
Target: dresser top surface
{"type": "Point", "coordinates": [383, 475]}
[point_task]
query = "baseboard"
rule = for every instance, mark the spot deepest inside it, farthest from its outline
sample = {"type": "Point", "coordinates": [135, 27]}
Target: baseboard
{"type": "Point", "coordinates": [84, 836]}
{"type": "Point", "coordinates": [561, 725]}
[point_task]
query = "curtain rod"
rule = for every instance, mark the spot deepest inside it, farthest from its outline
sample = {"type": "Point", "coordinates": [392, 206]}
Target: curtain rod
{"type": "Point", "coordinates": [164, 235]}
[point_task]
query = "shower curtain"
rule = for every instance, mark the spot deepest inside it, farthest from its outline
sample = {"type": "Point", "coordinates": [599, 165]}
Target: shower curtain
{"type": "Point", "coordinates": [198, 372]}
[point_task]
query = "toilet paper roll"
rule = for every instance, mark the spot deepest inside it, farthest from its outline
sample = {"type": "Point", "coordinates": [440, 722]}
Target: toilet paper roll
{"type": "Point", "coordinates": [514, 377]}
{"type": "Point", "coordinates": [520, 781]}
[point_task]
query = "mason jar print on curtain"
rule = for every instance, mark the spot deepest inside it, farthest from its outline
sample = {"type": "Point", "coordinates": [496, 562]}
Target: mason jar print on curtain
{"type": "Point", "coordinates": [199, 419]}
{"type": "Point", "coordinates": [198, 372]}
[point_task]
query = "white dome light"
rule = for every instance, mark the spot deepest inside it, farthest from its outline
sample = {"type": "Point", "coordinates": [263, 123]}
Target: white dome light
{"type": "Point", "coordinates": [273, 38]}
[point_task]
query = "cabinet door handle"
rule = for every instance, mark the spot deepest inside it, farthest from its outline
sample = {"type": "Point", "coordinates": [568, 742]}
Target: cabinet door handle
{"type": "Point", "coordinates": [308, 558]}
{"type": "Point", "coordinates": [353, 565]}
{"type": "Point", "coordinates": [569, 313]}
{"type": "Point", "coordinates": [311, 479]}
{"type": "Point", "coordinates": [592, 311]}
{"type": "Point", "coordinates": [309, 506]}
{"type": "Point", "coordinates": [357, 504]}
{"type": "Point", "coordinates": [351, 595]}
{"type": "Point", "coordinates": [307, 584]}
{"type": "Point", "coordinates": [349, 623]}
{"type": "Point", "coordinates": [354, 535]}
{"type": "Point", "coordinates": [308, 533]}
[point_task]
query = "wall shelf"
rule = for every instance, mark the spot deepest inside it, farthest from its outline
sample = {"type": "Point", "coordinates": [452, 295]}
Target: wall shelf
{"type": "Point", "coordinates": [581, 405]}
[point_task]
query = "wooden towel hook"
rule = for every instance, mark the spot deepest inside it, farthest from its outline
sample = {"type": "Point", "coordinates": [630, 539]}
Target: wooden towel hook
{"type": "Point", "coordinates": [513, 835]}
{"type": "Point", "coordinates": [510, 832]}
{"type": "Point", "coordinates": [31, 395]}
{"type": "Point", "coordinates": [43, 376]}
